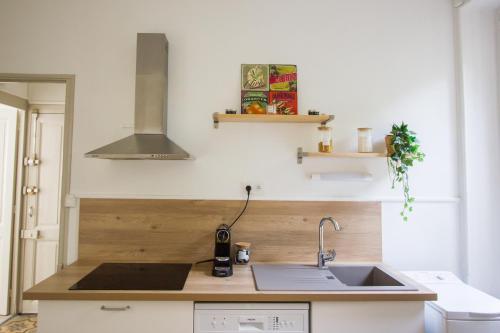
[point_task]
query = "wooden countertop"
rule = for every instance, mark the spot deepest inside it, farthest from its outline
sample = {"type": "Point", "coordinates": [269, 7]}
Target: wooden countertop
{"type": "Point", "coordinates": [202, 286]}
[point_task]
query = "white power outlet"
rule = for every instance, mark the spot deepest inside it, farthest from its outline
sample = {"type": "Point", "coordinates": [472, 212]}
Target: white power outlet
{"type": "Point", "coordinates": [256, 187]}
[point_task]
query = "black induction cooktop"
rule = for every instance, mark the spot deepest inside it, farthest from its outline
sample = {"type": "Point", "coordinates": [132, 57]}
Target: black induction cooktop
{"type": "Point", "coordinates": [135, 276]}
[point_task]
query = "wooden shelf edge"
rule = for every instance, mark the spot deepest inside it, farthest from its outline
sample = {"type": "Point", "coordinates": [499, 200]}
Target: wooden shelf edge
{"type": "Point", "coordinates": [301, 154]}
{"type": "Point", "coordinates": [344, 155]}
{"type": "Point", "coordinates": [271, 118]}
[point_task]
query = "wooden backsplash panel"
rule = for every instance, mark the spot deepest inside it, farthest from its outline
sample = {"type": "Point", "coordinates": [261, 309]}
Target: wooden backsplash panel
{"type": "Point", "coordinates": [183, 230]}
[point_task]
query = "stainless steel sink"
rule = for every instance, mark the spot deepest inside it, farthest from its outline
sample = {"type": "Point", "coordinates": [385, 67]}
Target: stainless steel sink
{"type": "Point", "coordinates": [335, 278]}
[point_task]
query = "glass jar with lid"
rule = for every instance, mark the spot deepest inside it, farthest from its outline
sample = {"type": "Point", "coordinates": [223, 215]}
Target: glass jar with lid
{"type": "Point", "coordinates": [325, 144]}
{"type": "Point", "coordinates": [365, 144]}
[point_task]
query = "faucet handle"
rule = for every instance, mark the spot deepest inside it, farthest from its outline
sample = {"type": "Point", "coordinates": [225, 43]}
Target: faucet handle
{"type": "Point", "coordinates": [330, 255]}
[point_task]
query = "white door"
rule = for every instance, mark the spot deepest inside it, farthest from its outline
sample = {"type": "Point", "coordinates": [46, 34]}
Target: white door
{"type": "Point", "coordinates": [8, 138]}
{"type": "Point", "coordinates": [42, 209]}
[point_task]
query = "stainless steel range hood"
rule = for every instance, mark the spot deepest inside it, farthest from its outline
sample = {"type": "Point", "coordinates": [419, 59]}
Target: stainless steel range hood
{"type": "Point", "coordinates": [149, 141]}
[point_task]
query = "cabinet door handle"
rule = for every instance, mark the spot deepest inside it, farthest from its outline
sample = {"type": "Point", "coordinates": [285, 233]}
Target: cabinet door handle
{"type": "Point", "coordinates": [110, 308]}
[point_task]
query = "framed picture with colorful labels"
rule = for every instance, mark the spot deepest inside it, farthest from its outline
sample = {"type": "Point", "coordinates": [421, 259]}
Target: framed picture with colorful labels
{"type": "Point", "coordinates": [269, 87]}
{"type": "Point", "coordinates": [255, 77]}
{"type": "Point", "coordinates": [283, 77]}
{"type": "Point", "coordinates": [284, 102]}
{"type": "Point", "coordinates": [254, 102]}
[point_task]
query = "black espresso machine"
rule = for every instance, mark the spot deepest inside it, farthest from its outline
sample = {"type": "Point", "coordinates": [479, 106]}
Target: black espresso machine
{"type": "Point", "coordinates": [223, 266]}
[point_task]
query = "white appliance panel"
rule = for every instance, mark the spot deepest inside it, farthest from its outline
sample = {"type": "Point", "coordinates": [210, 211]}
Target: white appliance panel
{"type": "Point", "coordinates": [460, 308]}
{"type": "Point", "coordinates": [473, 326]}
{"type": "Point", "coordinates": [250, 318]}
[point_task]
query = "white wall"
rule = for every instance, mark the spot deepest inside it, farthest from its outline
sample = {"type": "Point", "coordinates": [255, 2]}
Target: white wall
{"type": "Point", "coordinates": [371, 63]}
{"type": "Point", "coordinates": [19, 89]}
{"type": "Point", "coordinates": [46, 93]}
{"type": "Point", "coordinates": [36, 93]}
{"type": "Point", "coordinates": [478, 22]}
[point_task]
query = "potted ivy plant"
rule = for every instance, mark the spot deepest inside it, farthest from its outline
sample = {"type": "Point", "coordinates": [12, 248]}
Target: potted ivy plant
{"type": "Point", "coordinates": [403, 150]}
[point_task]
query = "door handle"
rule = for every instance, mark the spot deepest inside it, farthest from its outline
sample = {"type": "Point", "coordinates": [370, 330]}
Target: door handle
{"type": "Point", "coordinates": [28, 161]}
{"type": "Point", "coordinates": [30, 190]}
{"type": "Point", "coordinates": [111, 308]}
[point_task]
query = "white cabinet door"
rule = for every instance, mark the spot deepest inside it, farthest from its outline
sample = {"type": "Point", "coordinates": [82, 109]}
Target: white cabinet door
{"type": "Point", "coordinates": [8, 137]}
{"type": "Point", "coordinates": [363, 317]}
{"type": "Point", "coordinates": [115, 316]}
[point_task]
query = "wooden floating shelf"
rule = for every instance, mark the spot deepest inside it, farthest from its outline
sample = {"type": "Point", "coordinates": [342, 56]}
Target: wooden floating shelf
{"type": "Point", "coordinates": [270, 118]}
{"type": "Point", "coordinates": [301, 154]}
{"type": "Point", "coordinates": [344, 155]}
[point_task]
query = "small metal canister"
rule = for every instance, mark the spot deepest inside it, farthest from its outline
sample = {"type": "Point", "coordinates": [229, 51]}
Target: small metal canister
{"type": "Point", "coordinates": [242, 255]}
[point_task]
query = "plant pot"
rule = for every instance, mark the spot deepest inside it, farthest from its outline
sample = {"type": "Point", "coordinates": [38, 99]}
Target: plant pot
{"type": "Point", "coordinates": [389, 146]}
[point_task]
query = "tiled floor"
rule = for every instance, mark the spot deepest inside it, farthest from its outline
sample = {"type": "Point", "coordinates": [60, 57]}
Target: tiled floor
{"type": "Point", "coordinates": [19, 324]}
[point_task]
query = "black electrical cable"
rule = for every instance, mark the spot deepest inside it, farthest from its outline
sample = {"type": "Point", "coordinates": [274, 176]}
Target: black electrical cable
{"type": "Point", "coordinates": [248, 188]}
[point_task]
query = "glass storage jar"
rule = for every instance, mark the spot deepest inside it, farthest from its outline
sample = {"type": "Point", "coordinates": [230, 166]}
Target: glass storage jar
{"type": "Point", "coordinates": [365, 144]}
{"type": "Point", "coordinates": [325, 144]}
{"type": "Point", "coordinates": [242, 256]}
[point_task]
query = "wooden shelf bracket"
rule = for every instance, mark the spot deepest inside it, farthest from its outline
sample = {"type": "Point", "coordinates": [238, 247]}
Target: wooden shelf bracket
{"type": "Point", "coordinates": [300, 155]}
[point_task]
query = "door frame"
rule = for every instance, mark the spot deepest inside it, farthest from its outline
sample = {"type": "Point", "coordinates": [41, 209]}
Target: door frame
{"type": "Point", "coordinates": [13, 104]}
{"type": "Point", "coordinates": [69, 81]}
{"type": "Point", "coordinates": [20, 104]}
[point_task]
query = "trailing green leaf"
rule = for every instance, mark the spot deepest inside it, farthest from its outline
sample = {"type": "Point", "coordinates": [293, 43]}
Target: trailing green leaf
{"type": "Point", "coordinates": [406, 152]}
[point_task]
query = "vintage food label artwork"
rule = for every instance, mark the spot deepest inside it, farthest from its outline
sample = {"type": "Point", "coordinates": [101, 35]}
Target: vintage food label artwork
{"type": "Point", "coordinates": [283, 77]}
{"type": "Point", "coordinates": [285, 102]}
{"type": "Point", "coordinates": [255, 77]}
{"type": "Point", "coordinates": [254, 102]}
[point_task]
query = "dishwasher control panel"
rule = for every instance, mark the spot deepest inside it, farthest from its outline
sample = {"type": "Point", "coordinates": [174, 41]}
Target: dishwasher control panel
{"type": "Point", "coordinates": [251, 317]}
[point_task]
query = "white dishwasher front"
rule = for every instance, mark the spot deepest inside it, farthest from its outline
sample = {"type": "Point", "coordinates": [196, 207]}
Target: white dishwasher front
{"type": "Point", "coordinates": [251, 317]}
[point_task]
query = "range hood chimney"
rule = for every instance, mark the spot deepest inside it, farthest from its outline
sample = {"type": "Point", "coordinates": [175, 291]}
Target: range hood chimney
{"type": "Point", "coordinates": [149, 141]}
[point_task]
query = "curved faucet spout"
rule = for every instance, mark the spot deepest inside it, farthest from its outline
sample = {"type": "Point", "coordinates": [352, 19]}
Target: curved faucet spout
{"type": "Point", "coordinates": [336, 225]}
{"type": "Point", "coordinates": [322, 257]}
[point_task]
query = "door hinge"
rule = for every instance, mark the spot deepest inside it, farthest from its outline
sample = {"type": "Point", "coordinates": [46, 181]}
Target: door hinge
{"type": "Point", "coordinates": [29, 190]}
{"type": "Point", "coordinates": [31, 161]}
{"type": "Point", "coordinates": [30, 234]}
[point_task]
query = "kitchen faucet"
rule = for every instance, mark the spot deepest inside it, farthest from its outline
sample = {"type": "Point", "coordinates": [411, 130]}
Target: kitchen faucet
{"type": "Point", "coordinates": [329, 255]}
